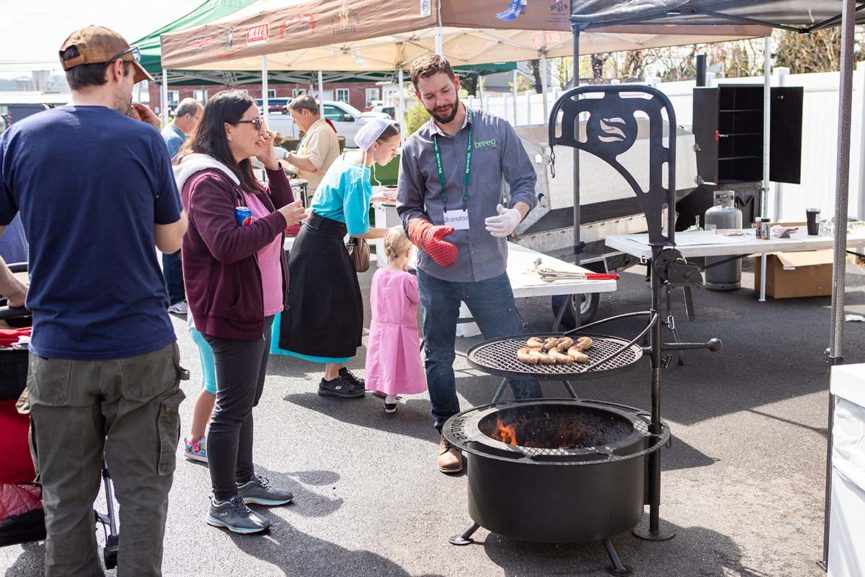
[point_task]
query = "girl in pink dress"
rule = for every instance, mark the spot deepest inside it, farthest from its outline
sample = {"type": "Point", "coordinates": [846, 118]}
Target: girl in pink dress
{"type": "Point", "coordinates": [393, 363]}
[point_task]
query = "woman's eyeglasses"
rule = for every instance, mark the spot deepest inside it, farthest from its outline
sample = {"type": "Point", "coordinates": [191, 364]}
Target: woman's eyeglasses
{"type": "Point", "coordinates": [256, 123]}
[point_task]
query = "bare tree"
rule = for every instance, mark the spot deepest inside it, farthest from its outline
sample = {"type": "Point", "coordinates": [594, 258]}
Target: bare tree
{"type": "Point", "coordinates": [598, 61]}
{"type": "Point", "coordinates": [801, 53]}
{"type": "Point", "coordinates": [563, 70]}
{"type": "Point", "coordinates": [819, 51]}
{"type": "Point", "coordinates": [536, 74]}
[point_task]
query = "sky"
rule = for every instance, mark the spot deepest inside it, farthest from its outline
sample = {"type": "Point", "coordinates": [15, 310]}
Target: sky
{"type": "Point", "coordinates": [32, 31]}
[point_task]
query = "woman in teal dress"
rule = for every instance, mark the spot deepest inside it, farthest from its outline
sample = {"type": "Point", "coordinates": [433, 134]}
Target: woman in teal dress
{"type": "Point", "coordinates": [323, 321]}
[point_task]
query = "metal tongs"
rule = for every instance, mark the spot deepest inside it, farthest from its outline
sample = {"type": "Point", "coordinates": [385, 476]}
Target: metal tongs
{"type": "Point", "coordinates": [549, 274]}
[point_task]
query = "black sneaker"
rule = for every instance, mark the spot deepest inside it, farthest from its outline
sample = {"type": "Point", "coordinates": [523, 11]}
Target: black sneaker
{"type": "Point", "coordinates": [257, 491]}
{"type": "Point", "coordinates": [236, 517]}
{"type": "Point", "coordinates": [351, 378]}
{"type": "Point", "coordinates": [340, 388]}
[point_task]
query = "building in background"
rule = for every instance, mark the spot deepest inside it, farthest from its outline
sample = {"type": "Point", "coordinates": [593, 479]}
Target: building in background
{"type": "Point", "coordinates": [361, 95]}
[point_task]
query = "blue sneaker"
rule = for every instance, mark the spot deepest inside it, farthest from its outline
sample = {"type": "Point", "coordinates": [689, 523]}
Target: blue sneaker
{"type": "Point", "coordinates": [257, 491]}
{"type": "Point", "coordinates": [195, 450]}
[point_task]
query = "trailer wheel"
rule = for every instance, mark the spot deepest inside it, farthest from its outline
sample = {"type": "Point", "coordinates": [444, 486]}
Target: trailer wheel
{"type": "Point", "coordinates": [585, 304]}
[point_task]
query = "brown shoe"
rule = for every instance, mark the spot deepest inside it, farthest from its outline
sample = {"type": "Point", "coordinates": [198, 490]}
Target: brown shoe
{"type": "Point", "coordinates": [450, 458]}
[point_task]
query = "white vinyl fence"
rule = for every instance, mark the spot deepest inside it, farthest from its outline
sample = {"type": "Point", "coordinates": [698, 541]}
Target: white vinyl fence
{"type": "Point", "coordinates": [787, 202]}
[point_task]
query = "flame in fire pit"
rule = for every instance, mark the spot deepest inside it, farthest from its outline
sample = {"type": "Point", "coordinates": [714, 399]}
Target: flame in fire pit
{"type": "Point", "coordinates": [541, 433]}
{"type": "Point", "coordinates": [505, 433]}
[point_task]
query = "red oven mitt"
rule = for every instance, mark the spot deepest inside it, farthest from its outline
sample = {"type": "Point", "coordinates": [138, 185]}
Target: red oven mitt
{"type": "Point", "coordinates": [430, 238]}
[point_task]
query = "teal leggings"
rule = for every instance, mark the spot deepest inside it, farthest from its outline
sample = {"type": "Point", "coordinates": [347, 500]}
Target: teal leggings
{"type": "Point", "coordinates": [208, 366]}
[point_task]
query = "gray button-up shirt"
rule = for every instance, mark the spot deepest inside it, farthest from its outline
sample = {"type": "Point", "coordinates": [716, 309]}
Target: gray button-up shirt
{"type": "Point", "coordinates": [498, 153]}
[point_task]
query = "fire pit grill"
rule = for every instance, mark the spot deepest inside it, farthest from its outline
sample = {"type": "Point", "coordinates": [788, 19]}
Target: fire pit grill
{"type": "Point", "coordinates": [472, 430]}
{"type": "Point", "coordinates": [499, 357]}
{"type": "Point", "coordinates": [591, 489]}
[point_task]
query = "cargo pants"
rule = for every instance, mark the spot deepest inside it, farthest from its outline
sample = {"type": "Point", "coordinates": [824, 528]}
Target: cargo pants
{"type": "Point", "coordinates": [125, 410]}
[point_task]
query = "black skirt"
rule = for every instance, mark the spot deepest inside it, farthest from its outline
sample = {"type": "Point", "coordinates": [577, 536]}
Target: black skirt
{"type": "Point", "coordinates": [324, 316]}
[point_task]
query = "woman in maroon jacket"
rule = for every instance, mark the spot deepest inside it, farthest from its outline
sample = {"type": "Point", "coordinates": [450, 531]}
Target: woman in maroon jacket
{"type": "Point", "coordinates": [235, 278]}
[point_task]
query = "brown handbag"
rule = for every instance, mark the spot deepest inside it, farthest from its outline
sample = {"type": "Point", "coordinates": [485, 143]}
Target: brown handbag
{"type": "Point", "coordinates": [358, 252]}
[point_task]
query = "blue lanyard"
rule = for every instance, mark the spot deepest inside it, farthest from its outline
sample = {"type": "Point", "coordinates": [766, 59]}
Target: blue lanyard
{"type": "Point", "coordinates": [468, 173]}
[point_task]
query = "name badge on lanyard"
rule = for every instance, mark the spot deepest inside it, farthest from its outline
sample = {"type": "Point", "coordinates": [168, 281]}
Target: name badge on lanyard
{"type": "Point", "coordinates": [458, 219]}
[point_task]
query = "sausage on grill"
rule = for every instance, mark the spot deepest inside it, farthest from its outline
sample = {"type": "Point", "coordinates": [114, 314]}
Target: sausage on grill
{"type": "Point", "coordinates": [561, 358]}
{"type": "Point", "coordinates": [575, 353]}
{"type": "Point", "coordinates": [524, 356]}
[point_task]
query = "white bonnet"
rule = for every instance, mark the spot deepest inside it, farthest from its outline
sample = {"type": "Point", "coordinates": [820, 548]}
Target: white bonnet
{"type": "Point", "coordinates": [370, 132]}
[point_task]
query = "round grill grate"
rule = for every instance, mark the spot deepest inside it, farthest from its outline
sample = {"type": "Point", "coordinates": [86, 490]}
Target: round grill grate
{"type": "Point", "coordinates": [499, 357]}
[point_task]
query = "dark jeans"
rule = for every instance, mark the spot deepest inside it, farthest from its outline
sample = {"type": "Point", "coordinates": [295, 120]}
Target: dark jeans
{"type": "Point", "coordinates": [172, 271]}
{"type": "Point", "coordinates": [240, 370]}
{"type": "Point", "coordinates": [491, 303]}
{"type": "Point", "coordinates": [124, 410]}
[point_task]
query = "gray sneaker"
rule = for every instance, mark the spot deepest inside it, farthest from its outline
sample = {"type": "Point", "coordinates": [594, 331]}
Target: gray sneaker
{"type": "Point", "coordinates": [257, 491]}
{"type": "Point", "coordinates": [236, 517]}
{"type": "Point", "coordinates": [341, 388]}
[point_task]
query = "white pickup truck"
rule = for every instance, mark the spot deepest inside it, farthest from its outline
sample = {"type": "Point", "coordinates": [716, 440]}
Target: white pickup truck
{"type": "Point", "coordinates": [346, 118]}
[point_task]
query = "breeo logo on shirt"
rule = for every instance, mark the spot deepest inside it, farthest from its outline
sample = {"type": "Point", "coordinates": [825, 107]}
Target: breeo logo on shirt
{"type": "Point", "coordinates": [484, 143]}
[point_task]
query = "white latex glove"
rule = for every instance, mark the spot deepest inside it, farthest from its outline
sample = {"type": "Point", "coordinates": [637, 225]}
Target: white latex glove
{"type": "Point", "coordinates": [504, 224]}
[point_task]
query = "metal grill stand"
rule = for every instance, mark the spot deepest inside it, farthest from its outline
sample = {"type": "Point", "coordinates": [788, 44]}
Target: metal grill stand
{"type": "Point", "coordinates": [611, 130]}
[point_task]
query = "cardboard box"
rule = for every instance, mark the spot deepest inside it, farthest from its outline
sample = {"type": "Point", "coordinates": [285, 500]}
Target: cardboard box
{"type": "Point", "coordinates": [796, 274]}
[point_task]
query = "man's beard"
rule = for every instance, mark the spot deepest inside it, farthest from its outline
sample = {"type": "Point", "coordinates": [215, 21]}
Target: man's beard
{"type": "Point", "coordinates": [123, 103]}
{"type": "Point", "coordinates": [449, 117]}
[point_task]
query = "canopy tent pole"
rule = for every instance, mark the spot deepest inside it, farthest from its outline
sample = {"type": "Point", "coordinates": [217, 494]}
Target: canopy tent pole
{"type": "Point", "coordinates": [264, 100]}
{"type": "Point", "coordinates": [767, 123]}
{"type": "Point", "coordinates": [544, 85]}
{"type": "Point", "coordinates": [400, 103]}
{"type": "Point", "coordinates": [779, 187]}
{"type": "Point", "coordinates": [576, 152]}
{"type": "Point", "coordinates": [836, 354]}
{"type": "Point", "coordinates": [320, 86]}
{"type": "Point", "coordinates": [514, 90]}
{"type": "Point", "coordinates": [861, 204]}
{"type": "Point", "coordinates": [163, 89]}
{"type": "Point", "coordinates": [438, 41]}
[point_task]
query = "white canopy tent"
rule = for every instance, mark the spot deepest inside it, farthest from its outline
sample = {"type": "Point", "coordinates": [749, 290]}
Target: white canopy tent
{"type": "Point", "coordinates": [368, 35]}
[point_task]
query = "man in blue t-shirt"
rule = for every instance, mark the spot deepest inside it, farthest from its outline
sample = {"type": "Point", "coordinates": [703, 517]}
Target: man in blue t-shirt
{"type": "Point", "coordinates": [188, 115]}
{"type": "Point", "coordinates": [104, 362]}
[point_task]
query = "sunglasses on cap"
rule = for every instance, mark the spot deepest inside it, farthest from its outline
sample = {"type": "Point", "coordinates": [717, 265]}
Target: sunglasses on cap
{"type": "Point", "coordinates": [134, 50]}
{"type": "Point", "coordinates": [256, 123]}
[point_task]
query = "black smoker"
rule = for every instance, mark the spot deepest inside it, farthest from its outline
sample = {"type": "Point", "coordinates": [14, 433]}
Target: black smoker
{"type": "Point", "coordinates": [539, 481]}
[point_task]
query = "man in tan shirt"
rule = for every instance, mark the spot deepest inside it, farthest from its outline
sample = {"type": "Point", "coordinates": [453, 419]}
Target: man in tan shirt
{"type": "Point", "coordinates": [319, 147]}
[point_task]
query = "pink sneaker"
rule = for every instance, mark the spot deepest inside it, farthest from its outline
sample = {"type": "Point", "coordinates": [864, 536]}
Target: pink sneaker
{"type": "Point", "coordinates": [195, 450]}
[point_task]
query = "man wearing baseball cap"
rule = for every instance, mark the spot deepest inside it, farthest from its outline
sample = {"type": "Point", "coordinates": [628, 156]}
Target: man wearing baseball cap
{"type": "Point", "coordinates": [104, 364]}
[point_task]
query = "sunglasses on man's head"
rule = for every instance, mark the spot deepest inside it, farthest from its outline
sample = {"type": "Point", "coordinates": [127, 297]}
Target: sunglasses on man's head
{"type": "Point", "coordinates": [134, 50]}
{"type": "Point", "coordinates": [255, 122]}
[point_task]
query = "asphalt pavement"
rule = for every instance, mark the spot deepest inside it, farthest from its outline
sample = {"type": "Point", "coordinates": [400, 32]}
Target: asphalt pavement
{"type": "Point", "coordinates": [742, 482]}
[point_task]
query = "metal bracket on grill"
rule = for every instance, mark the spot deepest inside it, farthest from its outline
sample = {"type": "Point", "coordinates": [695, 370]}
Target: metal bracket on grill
{"type": "Point", "coordinates": [673, 270]}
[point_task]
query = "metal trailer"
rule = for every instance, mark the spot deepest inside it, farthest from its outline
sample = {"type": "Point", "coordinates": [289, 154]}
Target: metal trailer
{"type": "Point", "coordinates": [607, 206]}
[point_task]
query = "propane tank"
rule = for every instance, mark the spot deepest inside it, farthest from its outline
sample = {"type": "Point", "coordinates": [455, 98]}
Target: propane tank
{"type": "Point", "coordinates": [723, 215]}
